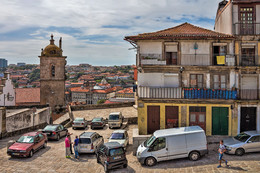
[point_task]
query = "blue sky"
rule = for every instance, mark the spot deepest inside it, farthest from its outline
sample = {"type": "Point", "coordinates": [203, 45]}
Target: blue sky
{"type": "Point", "coordinates": [92, 31]}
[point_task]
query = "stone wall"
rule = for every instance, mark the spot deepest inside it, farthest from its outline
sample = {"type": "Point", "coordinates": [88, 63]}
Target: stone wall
{"type": "Point", "coordinates": [24, 120]}
{"type": "Point", "coordinates": [101, 106]}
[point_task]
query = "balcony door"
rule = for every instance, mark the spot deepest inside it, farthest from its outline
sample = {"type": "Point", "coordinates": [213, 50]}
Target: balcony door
{"type": "Point", "coordinates": [171, 58]}
{"type": "Point", "coordinates": [248, 57]}
{"type": "Point", "coordinates": [249, 88]}
{"type": "Point", "coordinates": [247, 20]}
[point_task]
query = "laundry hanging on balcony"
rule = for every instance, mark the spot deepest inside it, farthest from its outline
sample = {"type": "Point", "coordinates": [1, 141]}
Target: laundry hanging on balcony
{"type": "Point", "coordinates": [221, 60]}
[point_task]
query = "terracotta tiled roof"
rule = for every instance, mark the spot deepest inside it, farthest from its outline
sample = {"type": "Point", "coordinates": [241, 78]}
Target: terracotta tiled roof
{"type": "Point", "coordinates": [183, 31]}
{"type": "Point", "coordinates": [27, 95]}
{"type": "Point", "coordinates": [79, 89]}
{"type": "Point", "coordinates": [127, 90]}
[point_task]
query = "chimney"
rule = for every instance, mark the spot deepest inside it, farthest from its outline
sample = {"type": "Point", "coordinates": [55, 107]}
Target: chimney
{"type": "Point", "coordinates": [60, 43]}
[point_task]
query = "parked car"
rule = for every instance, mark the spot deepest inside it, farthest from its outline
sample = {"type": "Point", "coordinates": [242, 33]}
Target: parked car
{"type": "Point", "coordinates": [28, 144]}
{"type": "Point", "coordinates": [111, 155]}
{"type": "Point", "coordinates": [55, 131]}
{"type": "Point", "coordinates": [120, 136]}
{"type": "Point", "coordinates": [173, 143]}
{"type": "Point", "coordinates": [115, 120]}
{"type": "Point", "coordinates": [79, 123]}
{"type": "Point", "coordinates": [98, 122]}
{"type": "Point", "coordinates": [89, 142]}
{"type": "Point", "coordinates": [244, 142]}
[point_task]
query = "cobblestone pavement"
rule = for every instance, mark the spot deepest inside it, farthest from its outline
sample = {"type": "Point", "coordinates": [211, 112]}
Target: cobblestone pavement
{"type": "Point", "coordinates": [52, 159]}
{"type": "Point", "coordinates": [90, 114]}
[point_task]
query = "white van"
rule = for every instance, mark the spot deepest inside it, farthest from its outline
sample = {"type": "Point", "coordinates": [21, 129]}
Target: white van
{"type": "Point", "coordinates": [173, 143]}
{"type": "Point", "coordinates": [115, 119]}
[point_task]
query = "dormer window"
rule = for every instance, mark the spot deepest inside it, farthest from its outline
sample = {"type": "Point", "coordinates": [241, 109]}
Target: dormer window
{"type": "Point", "coordinates": [53, 52]}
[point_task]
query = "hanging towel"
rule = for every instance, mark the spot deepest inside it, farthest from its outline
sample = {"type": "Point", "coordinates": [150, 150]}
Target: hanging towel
{"type": "Point", "coordinates": [221, 60]}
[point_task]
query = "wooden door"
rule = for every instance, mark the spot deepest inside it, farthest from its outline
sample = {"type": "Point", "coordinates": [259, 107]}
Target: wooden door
{"type": "Point", "coordinates": [153, 119]}
{"type": "Point", "coordinates": [171, 116]}
{"type": "Point", "coordinates": [198, 117]}
{"type": "Point", "coordinates": [248, 119]}
{"type": "Point", "coordinates": [219, 121]}
{"type": "Point", "coordinates": [171, 58]}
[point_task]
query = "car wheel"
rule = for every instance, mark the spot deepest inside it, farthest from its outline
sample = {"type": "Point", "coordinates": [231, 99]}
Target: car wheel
{"type": "Point", "coordinates": [73, 128]}
{"type": "Point", "coordinates": [31, 153]}
{"type": "Point", "coordinates": [125, 165]}
{"type": "Point", "coordinates": [240, 152]}
{"type": "Point", "coordinates": [194, 156]}
{"type": "Point", "coordinates": [92, 128]}
{"type": "Point", "coordinates": [150, 161]}
{"type": "Point", "coordinates": [45, 144]}
{"type": "Point", "coordinates": [98, 159]}
{"type": "Point", "coordinates": [58, 137]}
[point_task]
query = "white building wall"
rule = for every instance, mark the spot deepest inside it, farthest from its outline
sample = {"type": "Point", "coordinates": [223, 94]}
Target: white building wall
{"type": "Point", "coordinates": [8, 88]}
{"type": "Point", "coordinates": [257, 13]}
{"type": "Point", "coordinates": [188, 47]}
{"type": "Point", "coordinates": [158, 79]}
{"type": "Point", "coordinates": [223, 22]}
{"type": "Point", "coordinates": [235, 13]}
{"type": "Point", "coordinates": [232, 79]}
{"type": "Point", "coordinates": [150, 47]}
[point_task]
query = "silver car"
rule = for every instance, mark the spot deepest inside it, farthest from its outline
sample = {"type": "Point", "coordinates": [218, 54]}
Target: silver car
{"type": "Point", "coordinates": [89, 142]}
{"type": "Point", "coordinates": [244, 142]}
{"type": "Point", "coordinates": [79, 123]}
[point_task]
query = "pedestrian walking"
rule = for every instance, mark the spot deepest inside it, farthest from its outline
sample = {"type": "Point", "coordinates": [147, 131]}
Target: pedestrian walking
{"type": "Point", "coordinates": [75, 146]}
{"type": "Point", "coordinates": [221, 151]}
{"type": "Point", "coordinates": [69, 134]}
{"type": "Point", "coordinates": [67, 146]}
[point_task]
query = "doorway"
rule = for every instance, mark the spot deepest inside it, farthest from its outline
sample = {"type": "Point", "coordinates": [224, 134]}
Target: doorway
{"type": "Point", "coordinates": [171, 116]}
{"type": "Point", "coordinates": [248, 119]}
{"type": "Point", "coordinates": [153, 119]}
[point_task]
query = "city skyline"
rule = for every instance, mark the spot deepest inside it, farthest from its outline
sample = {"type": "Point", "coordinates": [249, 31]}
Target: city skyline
{"type": "Point", "coordinates": [92, 32]}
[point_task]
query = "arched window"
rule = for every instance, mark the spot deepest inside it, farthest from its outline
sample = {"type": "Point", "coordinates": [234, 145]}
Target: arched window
{"type": "Point", "coordinates": [52, 70]}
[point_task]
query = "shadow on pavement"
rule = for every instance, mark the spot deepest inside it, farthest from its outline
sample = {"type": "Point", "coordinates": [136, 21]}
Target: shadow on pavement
{"type": "Point", "coordinates": [29, 159]}
{"type": "Point", "coordinates": [236, 168]}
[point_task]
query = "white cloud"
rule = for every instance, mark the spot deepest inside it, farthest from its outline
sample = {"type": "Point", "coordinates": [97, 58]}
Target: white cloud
{"type": "Point", "coordinates": [88, 16]}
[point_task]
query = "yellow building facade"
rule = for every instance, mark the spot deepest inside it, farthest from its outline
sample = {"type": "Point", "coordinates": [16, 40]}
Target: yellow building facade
{"type": "Point", "coordinates": [184, 116]}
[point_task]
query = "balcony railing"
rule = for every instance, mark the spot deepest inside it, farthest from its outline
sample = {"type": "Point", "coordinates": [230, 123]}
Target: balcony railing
{"type": "Point", "coordinates": [197, 93]}
{"type": "Point", "coordinates": [246, 60]}
{"type": "Point", "coordinates": [195, 59]}
{"type": "Point", "coordinates": [247, 28]}
{"type": "Point", "coordinates": [248, 94]}
{"type": "Point", "coordinates": [159, 93]}
{"type": "Point", "coordinates": [151, 59]}
{"type": "Point", "coordinates": [185, 93]}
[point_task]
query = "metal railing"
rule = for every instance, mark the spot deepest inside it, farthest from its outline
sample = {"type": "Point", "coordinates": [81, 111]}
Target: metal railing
{"type": "Point", "coordinates": [195, 59]}
{"type": "Point", "coordinates": [248, 60]}
{"type": "Point", "coordinates": [249, 94]}
{"type": "Point", "coordinates": [247, 28]}
{"type": "Point", "coordinates": [185, 93]}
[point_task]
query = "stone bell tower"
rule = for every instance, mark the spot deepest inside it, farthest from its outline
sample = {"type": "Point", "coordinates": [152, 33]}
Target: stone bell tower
{"type": "Point", "coordinates": [52, 77]}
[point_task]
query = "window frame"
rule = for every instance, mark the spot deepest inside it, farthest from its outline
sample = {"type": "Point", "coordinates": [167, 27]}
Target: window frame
{"type": "Point", "coordinates": [196, 76]}
{"type": "Point", "coordinates": [219, 81]}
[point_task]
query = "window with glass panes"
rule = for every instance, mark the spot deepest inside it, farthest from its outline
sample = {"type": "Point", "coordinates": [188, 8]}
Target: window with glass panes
{"type": "Point", "coordinates": [196, 80]}
{"type": "Point", "coordinates": [247, 20]}
{"type": "Point", "coordinates": [219, 81]}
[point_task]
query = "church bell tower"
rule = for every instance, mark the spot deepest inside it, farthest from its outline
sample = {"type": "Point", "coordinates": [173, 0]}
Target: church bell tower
{"type": "Point", "coordinates": [52, 75]}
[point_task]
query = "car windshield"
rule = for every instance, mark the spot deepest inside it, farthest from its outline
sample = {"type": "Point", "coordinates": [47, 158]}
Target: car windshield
{"type": "Point", "coordinates": [79, 119]}
{"type": "Point", "coordinates": [242, 137]}
{"type": "Point", "coordinates": [149, 141]}
{"type": "Point", "coordinates": [117, 136]}
{"type": "Point", "coordinates": [116, 151]}
{"type": "Point", "coordinates": [84, 140]}
{"type": "Point", "coordinates": [26, 139]}
{"type": "Point", "coordinates": [50, 128]}
{"type": "Point", "coordinates": [96, 120]}
{"type": "Point", "coordinates": [113, 117]}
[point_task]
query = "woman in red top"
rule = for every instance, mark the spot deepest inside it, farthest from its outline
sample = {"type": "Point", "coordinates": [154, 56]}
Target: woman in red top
{"type": "Point", "coordinates": [67, 146]}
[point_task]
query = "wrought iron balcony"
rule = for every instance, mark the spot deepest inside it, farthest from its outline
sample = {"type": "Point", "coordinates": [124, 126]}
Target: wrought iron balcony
{"type": "Point", "coordinates": [247, 28]}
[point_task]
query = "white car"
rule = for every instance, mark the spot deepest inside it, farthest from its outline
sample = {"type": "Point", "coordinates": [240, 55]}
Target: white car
{"type": "Point", "coordinates": [120, 136]}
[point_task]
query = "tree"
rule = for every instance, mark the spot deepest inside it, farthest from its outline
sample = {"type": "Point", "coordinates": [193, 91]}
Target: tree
{"type": "Point", "coordinates": [101, 101]}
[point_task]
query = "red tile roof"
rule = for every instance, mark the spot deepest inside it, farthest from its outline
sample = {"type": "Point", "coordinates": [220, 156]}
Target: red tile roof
{"type": "Point", "coordinates": [126, 90]}
{"type": "Point", "coordinates": [183, 31]}
{"type": "Point", "coordinates": [27, 95]}
{"type": "Point", "coordinates": [79, 89]}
